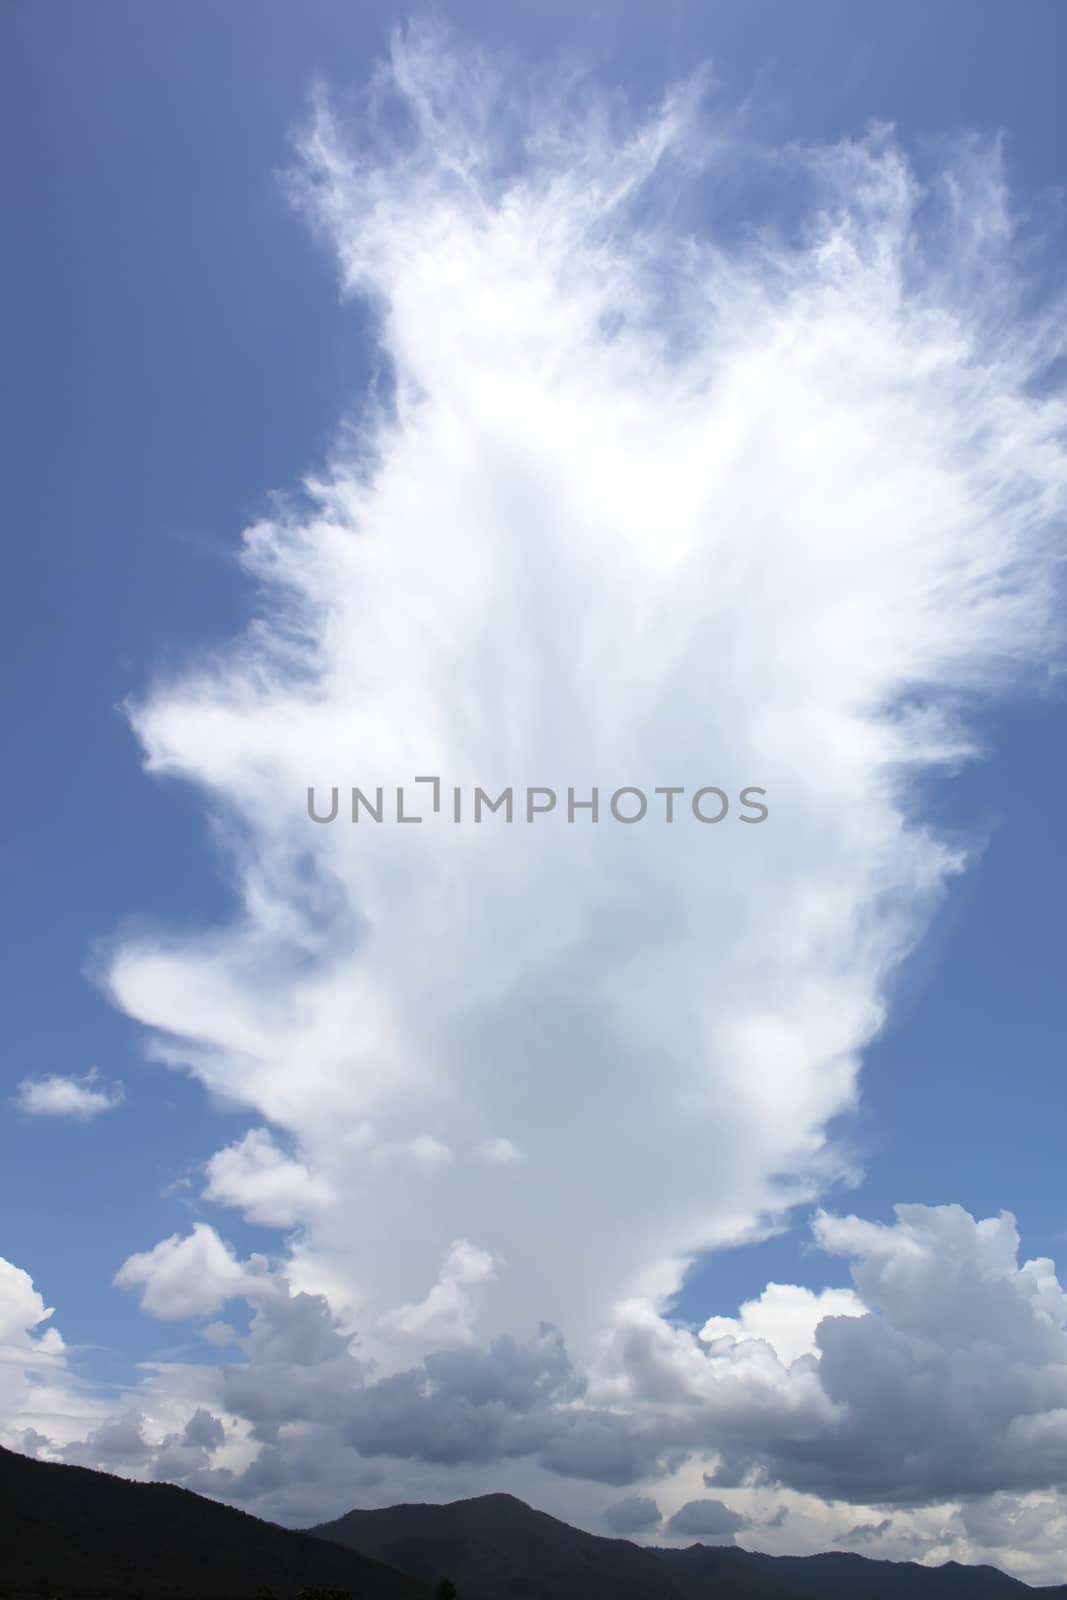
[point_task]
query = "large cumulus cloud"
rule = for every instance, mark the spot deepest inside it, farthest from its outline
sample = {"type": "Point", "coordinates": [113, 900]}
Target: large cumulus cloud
{"type": "Point", "coordinates": [637, 501]}
{"type": "Point", "coordinates": [954, 1383]}
{"type": "Point", "coordinates": [635, 496]}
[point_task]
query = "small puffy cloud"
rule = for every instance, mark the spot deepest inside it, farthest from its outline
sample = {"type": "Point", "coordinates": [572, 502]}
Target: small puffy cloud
{"type": "Point", "coordinates": [785, 1316]}
{"type": "Point", "coordinates": [191, 1276]}
{"type": "Point", "coordinates": [430, 1152]}
{"type": "Point", "coordinates": [707, 1519]}
{"type": "Point", "coordinates": [499, 1152]}
{"type": "Point", "coordinates": [219, 1333]}
{"type": "Point", "coordinates": [636, 1513]}
{"type": "Point", "coordinates": [257, 1177]}
{"type": "Point", "coordinates": [59, 1096]}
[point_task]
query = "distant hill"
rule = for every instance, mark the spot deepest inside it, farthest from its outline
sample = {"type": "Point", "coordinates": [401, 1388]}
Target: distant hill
{"type": "Point", "coordinates": [705, 1571]}
{"type": "Point", "coordinates": [88, 1534]}
{"type": "Point", "coordinates": [496, 1548]}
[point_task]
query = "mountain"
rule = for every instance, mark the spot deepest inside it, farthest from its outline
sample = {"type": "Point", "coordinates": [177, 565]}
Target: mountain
{"type": "Point", "coordinates": [496, 1548]}
{"type": "Point", "coordinates": [88, 1534]}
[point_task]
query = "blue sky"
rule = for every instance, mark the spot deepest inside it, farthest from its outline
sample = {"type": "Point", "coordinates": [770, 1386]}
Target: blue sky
{"type": "Point", "coordinates": [178, 349]}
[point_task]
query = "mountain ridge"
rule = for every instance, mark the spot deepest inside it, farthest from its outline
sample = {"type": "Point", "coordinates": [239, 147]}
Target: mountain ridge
{"type": "Point", "coordinates": [495, 1547]}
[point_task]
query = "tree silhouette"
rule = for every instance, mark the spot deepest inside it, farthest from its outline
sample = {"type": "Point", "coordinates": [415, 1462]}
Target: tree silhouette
{"type": "Point", "coordinates": [446, 1590]}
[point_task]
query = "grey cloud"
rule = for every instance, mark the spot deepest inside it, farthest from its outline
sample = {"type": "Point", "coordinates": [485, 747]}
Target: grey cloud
{"type": "Point", "coordinates": [295, 1329]}
{"type": "Point", "coordinates": [707, 1518]}
{"type": "Point", "coordinates": [637, 1513]}
{"type": "Point", "coordinates": [954, 1387]}
{"type": "Point", "coordinates": [114, 1444]}
{"type": "Point", "coordinates": [31, 1443]}
{"type": "Point", "coordinates": [176, 1460]}
{"type": "Point", "coordinates": [1004, 1521]}
{"type": "Point", "coordinates": [862, 1531]}
{"type": "Point", "coordinates": [299, 1479]}
{"type": "Point", "coordinates": [604, 1447]}
{"type": "Point", "coordinates": [517, 1375]}
{"type": "Point", "coordinates": [205, 1430]}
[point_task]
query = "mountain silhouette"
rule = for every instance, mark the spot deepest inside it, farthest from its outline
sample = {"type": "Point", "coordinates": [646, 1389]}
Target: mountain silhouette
{"type": "Point", "coordinates": [67, 1531]}
{"type": "Point", "coordinates": [496, 1548]}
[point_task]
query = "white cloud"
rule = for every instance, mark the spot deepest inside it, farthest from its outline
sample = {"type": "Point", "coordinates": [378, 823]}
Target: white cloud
{"type": "Point", "coordinates": [786, 1317]}
{"type": "Point", "coordinates": [430, 1152]}
{"type": "Point", "coordinates": [263, 1182]}
{"type": "Point", "coordinates": [57, 1096]}
{"type": "Point", "coordinates": [448, 1310]}
{"type": "Point", "coordinates": [644, 508]}
{"type": "Point", "coordinates": [219, 1333]}
{"type": "Point", "coordinates": [191, 1276]}
{"type": "Point", "coordinates": [22, 1310]}
{"type": "Point", "coordinates": [40, 1396]}
{"type": "Point", "coordinates": [499, 1152]}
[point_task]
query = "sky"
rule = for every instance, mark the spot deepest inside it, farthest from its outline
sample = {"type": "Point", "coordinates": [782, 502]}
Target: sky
{"type": "Point", "coordinates": [662, 397]}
